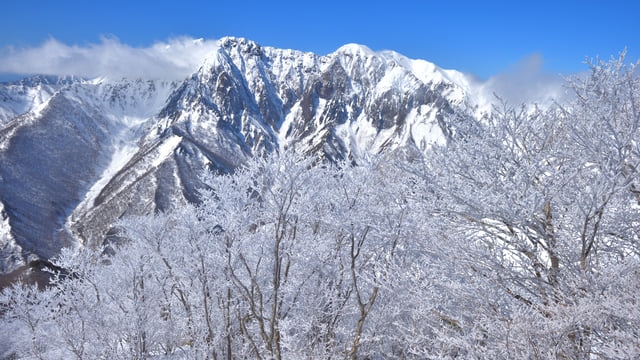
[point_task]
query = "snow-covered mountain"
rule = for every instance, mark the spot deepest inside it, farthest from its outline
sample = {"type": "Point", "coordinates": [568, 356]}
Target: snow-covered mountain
{"type": "Point", "coordinates": [19, 97]}
{"type": "Point", "coordinates": [75, 155]}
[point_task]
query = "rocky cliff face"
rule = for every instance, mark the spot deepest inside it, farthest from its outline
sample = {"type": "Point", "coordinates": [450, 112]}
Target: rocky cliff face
{"type": "Point", "coordinates": [75, 155]}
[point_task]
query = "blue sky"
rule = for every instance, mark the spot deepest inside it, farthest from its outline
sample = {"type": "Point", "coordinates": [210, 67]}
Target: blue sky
{"type": "Point", "coordinates": [483, 38]}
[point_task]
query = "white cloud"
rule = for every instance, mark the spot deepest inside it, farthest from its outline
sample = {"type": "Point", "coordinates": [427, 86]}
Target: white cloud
{"type": "Point", "coordinates": [177, 58]}
{"type": "Point", "coordinates": [526, 82]}
{"type": "Point", "coordinates": [171, 60]}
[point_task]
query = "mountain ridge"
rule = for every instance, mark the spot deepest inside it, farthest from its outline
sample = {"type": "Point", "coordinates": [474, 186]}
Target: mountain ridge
{"type": "Point", "coordinates": [88, 152]}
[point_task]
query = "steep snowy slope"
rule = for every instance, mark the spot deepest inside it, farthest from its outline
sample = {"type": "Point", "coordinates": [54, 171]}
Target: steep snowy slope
{"type": "Point", "coordinates": [19, 97]}
{"type": "Point", "coordinates": [351, 101]}
{"type": "Point", "coordinates": [75, 158]}
{"type": "Point", "coordinates": [52, 156]}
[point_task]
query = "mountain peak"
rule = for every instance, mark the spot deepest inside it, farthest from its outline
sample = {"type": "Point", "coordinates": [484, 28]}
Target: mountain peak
{"type": "Point", "coordinates": [242, 45]}
{"type": "Point", "coordinates": [355, 49]}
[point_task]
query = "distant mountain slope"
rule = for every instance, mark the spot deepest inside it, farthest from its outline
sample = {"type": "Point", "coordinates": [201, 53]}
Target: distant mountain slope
{"type": "Point", "coordinates": [19, 97]}
{"type": "Point", "coordinates": [75, 154]}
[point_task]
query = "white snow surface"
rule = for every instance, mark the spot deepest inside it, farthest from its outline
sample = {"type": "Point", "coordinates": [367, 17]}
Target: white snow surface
{"type": "Point", "coordinates": [130, 107]}
{"type": "Point", "coordinates": [31, 94]}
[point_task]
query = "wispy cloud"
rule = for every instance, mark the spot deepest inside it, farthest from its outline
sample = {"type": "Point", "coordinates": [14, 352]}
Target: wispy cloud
{"type": "Point", "coordinates": [175, 59]}
{"type": "Point", "coordinates": [172, 60]}
{"type": "Point", "coordinates": [526, 82]}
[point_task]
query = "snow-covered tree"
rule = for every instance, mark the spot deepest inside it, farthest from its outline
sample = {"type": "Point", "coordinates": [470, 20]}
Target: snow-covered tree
{"type": "Point", "coordinates": [543, 204]}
